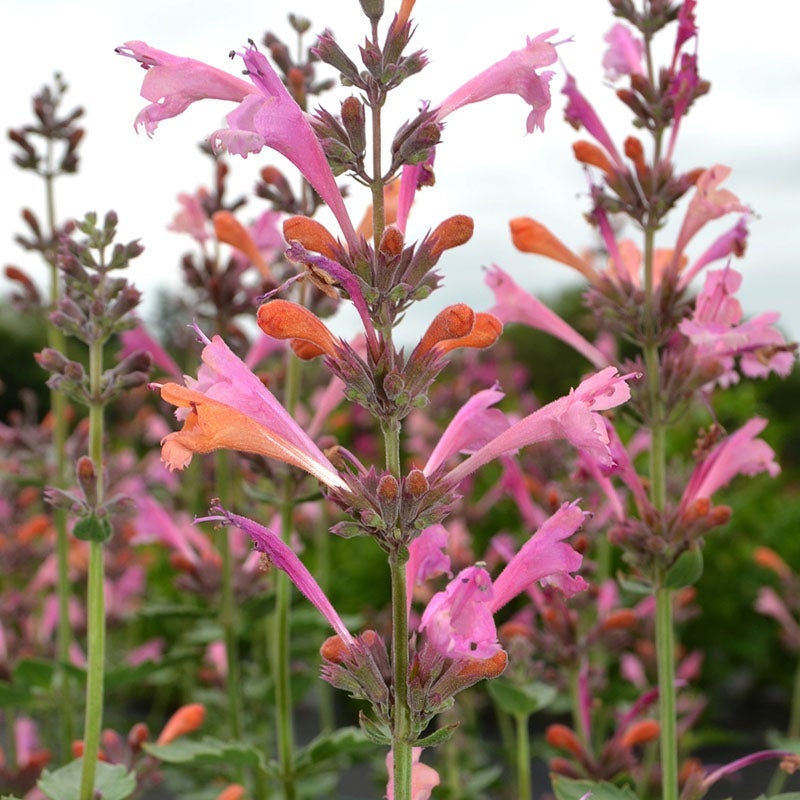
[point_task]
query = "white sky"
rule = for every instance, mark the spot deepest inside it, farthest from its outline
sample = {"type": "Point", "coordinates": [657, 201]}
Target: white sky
{"type": "Point", "coordinates": [486, 166]}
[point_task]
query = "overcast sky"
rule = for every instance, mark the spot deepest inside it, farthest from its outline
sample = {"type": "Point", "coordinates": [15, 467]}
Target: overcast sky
{"type": "Point", "coordinates": [487, 166]}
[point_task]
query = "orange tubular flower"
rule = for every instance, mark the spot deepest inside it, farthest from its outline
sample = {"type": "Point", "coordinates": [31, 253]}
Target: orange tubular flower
{"type": "Point", "coordinates": [588, 153]}
{"type": "Point", "coordinates": [485, 332]}
{"type": "Point", "coordinates": [531, 236]}
{"type": "Point", "coordinates": [233, 792]}
{"type": "Point", "coordinates": [185, 720]}
{"type": "Point", "coordinates": [312, 235]}
{"type": "Point", "coordinates": [230, 231]}
{"type": "Point", "coordinates": [452, 322]}
{"type": "Point", "coordinates": [282, 319]}
{"type": "Point", "coordinates": [766, 557]}
{"type": "Point", "coordinates": [646, 730]}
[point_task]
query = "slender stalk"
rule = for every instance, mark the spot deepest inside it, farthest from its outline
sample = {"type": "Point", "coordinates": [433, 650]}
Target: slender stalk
{"type": "Point", "coordinates": [58, 411]}
{"type": "Point", "coordinates": [665, 649]}
{"type": "Point", "coordinates": [793, 732]}
{"type": "Point", "coordinates": [401, 733]}
{"type": "Point", "coordinates": [523, 758]}
{"type": "Point", "coordinates": [283, 598]}
{"type": "Point", "coordinates": [95, 603]}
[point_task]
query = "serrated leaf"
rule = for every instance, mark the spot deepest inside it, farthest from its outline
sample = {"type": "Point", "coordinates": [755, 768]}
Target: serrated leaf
{"type": "Point", "coordinates": [526, 700]}
{"type": "Point", "coordinates": [686, 570]}
{"type": "Point", "coordinates": [438, 737]}
{"type": "Point", "coordinates": [569, 789]}
{"type": "Point", "coordinates": [111, 781]}
{"type": "Point", "coordinates": [209, 751]}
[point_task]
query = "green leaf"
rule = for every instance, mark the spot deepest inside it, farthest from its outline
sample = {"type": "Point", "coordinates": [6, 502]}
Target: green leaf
{"type": "Point", "coordinates": [437, 737]}
{"type": "Point", "coordinates": [569, 789]}
{"type": "Point", "coordinates": [779, 742]}
{"type": "Point", "coordinates": [111, 781]}
{"type": "Point", "coordinates": [93, 529]}
{"type": "Point", "coordinates": [686, 570]}
{"type": "Point", "coordinates": [374, 731]}
{"type": "Point", "coordinates": [525, 700]}
{"type": "Point", "coordinates": [343, 746]}
{"type": "Point", "coordinates": [209, 751]}
{"type": "Point", "coordinates": [34, 672]}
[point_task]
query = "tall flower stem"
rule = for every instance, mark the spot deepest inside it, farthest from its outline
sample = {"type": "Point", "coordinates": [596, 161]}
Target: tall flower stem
{"type": "Point", "coordinates": [96, 616]}
{"type": "Point", "coordinates": [793, 732]}
{"type": "Point", "coordinates": [523, 757]}
{"type": "Point", "coordinates": [665, 651]}
{"type": "Point", "coordinates": [401, 732]}
{"type": "Point", "coordinates": [58, 411]}
{"type": "Point", "coordinates": [283, 598]}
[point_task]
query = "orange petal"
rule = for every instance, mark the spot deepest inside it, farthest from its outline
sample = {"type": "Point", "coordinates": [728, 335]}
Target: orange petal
{"type": "Point", "coordinates": [531, 236]}
{"type": "Point", "coordinates": [233, 792]}
{"type": "Point", "coordinates": [312, 235]}
{"type": "Point", "coordinates": [563, 738]}
{"type": "Point", "coordinates": [185, 720]}
{"type": "Point", "coordinates": [230, 231]}
{"type": "Point", "coordinates": [484, 667]}
{"type": "Point", "coordinates": [485, 332]}
{"type": "Point", "coordinates": [282, 319]}
{"type": "Point", "coordinates": [647, 730]}
{"type": "Point", "coordinates": [452, 322]}
{"type": "Point", "coordinates": [767, 557]}
{"type": "Point", "coordinates": [588, 153]}
{"type": "Point", "coordinates": [453, 232]}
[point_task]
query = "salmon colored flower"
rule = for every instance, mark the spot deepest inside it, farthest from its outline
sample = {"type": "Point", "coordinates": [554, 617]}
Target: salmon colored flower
{"type": "Point", "coordinates": [228, 407]}
{"type": "Point", "coordinates": [230, 231]}
{"type": "Point", "coordinates": [186, 719]}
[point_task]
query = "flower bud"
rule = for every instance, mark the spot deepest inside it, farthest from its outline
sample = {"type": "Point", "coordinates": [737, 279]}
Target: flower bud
{"type": "Point", "coordinates": [646, 730]}
{"type": "Point", "coordinates": [416, 484]}
{"type": "Point", "coordinates": [589, 153]}
{"type": "Point", "coordinates": [564, 738]}
{"type": "Point", "coordinates": [312, 235]}
{"type": "Point", "coordinates": [185, 720]}
{"type": "Point", "coordinates": [452, 322]}
{"type": "Point", "coordinates": [452, 232]}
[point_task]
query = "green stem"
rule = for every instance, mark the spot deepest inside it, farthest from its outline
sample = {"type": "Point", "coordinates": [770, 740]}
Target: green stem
{"type": "Point", "coordinates": [401, 732]}
{"type": "Point", "coordinates": [228, 610]}
{"type": "Point", "coordinates": [283, 598]}
{"type": "Point", "coordinates": [793, 732]}
{"type": "Point", "coordinates": [58, 410]}
{"type": "Point", "coordinates": [95, 603]}
{"type": "Point", "coordinates": [665, 649]}
{"type": "Point", "coordinates": [523, 757]}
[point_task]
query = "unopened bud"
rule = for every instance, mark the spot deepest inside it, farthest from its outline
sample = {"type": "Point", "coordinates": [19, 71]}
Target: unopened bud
{"type": "Point", "coordinates": [452, 322]}
{"type": "Point", "coordinates": [373, 9]}
{"type": "Point", "coordinates": [484, 667]}
{"type": "Point", "coordinates": [620, 619]}
{"type": "Point", "coordinates": [296, 82]}
{"type": "Point", "coordinates": [282, 319]}
{"type": "Point", "coordinates": [87, 479]}
{"type": "Point", "coordinates": [720, 515]}
{"type": "Point", "coordinates": [647, 730]}
{"type": "Point", "coordinates": [354, 122]}
{"type": "Point", "coordinates": [51, 360]}
{"type": "Point", "coordinates": [334, 649]}
{"type": "Point", "coordinates": [388, 489]}
{"type": "Point", "coordinates": [416, 484]}
{"type": "Point", "coordinates": [589, 153]}
{"type": "Point", "coordinates": [563, 738]}
{"type": "Point", "coordinates": [766, 557]}
{"type": "Point", "coordinates": [312, 235]}
{"type": "Point", "coordinates": [392, 241]}
{"type": "Point", "coordinates": [485, 332]}
{"type": "Point", "coordinates": [452, 232]}
{"type": "Point", "coordinates": [393, 385]}
{"type": "Point", "coordinates": [138, 736]}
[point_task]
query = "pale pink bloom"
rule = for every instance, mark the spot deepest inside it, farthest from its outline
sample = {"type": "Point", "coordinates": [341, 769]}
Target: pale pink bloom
{"type": "Point", "coordinates": [267, 115]}
{"type": "Point", "coordinates": [149, 651]}
{"type": "Point", "coordinates": [708, 202]}
{"type": "Point", "coordinates": [717, 332]}
{"type": "Point", "coordinates": [427, 558]}
{"type": "Point", "coordinates": [732, 243]}
{"type": "Point", "coordinates": [573, 418]}
{"type": "Point", "coordinates": [474, 425]}
{"type": "Point", "coordinates": [579, 112]}
{"type": "Point", "coordinates": [624, 54]}
{"type": "Point", "coordinates": [772, 605]}
{"type": "Point", "coordinates": [738, 454]}
{"type": "Point", "coordinates": [515, 74]}
{"type": "Point", "coordinates": [192, 218]}
{"type": "Point", "coordinates": [514, 304]}
{"type": "Point", "coordinates": [632, 669]}
{"type": "Point", "coordinates": [459, 621]}
{"type": "Point", "coordinates": [285, 559]}
{"type": "Point", "coordinates": [423, 777]}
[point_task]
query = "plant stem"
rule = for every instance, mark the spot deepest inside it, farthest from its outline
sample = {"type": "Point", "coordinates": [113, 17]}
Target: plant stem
{"type": "Point", "coordinates": [401, 732]}
{"type": "Point", "coordinates": [793, 732]}
{"type": "Point", "coordinates": [523, 757]}
{"type": "Point", "coordinates": [95, 603]}
{"type": "Point", "coordinates": [665, 649]}
{"type": "Point", "coordinates": [283, 598]}
{"type": "Point", "coordinates": [58, 411]}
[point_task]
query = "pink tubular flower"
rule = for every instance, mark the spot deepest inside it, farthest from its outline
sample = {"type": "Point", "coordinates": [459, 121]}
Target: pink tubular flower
{"type": "Point", "coordinates": [515, 74]}
{"type": "Point", "coordinates": [228, 407]}
{"type": "Point", "coordinates": [514, 304]}
{"type": "Point", "coordinates": [738, 454]}
{"type": "Point", "coordinates": [624, 54]}
{"type": "Point", "coordinates": [474, 425]}
{"type": "Point", "coordinates": [267, 116]}
{"type": "Point", "coordinates": [285, 559]}
{"type": "Point", "coordinates": [427, 558]}
{"type": "Point", "coordinates": [573, 418]}
{"type": "Point", "coordinates": [423, 777]}
{"type": "Point", "coordinates": [709, 202]}
{"type": "Point", "coordinates": [717, 332]}
{"type": "Point", "coordinates": [459, 621]}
